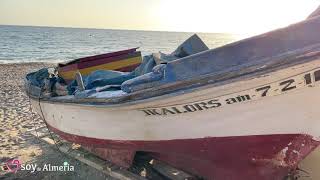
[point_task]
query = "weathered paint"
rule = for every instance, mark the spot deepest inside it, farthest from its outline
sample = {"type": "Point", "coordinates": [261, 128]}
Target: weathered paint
{"type": "Point", "coordinates": [256, 138]}
{"type": "Point", "coordinates": [120, 157]}
{"type": "Point", "coordinates": [233, 158]}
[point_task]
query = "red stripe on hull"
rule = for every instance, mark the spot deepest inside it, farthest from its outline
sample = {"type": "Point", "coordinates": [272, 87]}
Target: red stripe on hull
{"type": "Point", "coordinates": [97, 62]}
{"type": "Point", "coordinates": [100, 56]}
{"type": "Point", "coordinates": [69, 67]}
{"type": "Point", "coordinates": [107, 55]}
{"type": "Point", "coordinates": [260, 157]}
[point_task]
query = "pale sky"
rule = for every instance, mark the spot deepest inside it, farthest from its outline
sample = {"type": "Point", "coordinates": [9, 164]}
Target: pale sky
{"type": "Point", "coordinates": [227, 16]}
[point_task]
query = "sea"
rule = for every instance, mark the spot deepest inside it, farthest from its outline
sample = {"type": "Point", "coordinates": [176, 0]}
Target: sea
{"type": "Point", "coordinates": [24, 44]}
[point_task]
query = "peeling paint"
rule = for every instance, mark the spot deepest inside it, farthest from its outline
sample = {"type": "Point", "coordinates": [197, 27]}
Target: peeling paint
{"type": "Point", "coordinates": [297, 152]}
{"type": "Point", "coordinates": [278, 160]}
{"type": "Point", "coordinates": [316, 138]}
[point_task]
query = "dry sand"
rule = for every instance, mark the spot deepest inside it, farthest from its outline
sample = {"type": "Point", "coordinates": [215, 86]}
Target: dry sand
{"type": "Point", "coordinates": [17, 121]}
{"type": "Point", "coordinates": [311, 166]}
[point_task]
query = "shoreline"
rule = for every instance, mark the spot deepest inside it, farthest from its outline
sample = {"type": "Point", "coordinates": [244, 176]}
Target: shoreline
{"type": "Point", "coordinates": [27, 63]}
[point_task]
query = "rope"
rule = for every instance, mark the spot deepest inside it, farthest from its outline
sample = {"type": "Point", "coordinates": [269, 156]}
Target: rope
{"type": "Point", "coordinates": [44, 119]}
{"type": "Point", "coordinates": [34, 121]}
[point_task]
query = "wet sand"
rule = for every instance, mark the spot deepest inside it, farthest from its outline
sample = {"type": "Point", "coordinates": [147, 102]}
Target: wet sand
{"type": "Point", "coordinates": [16, 124]}
{"type": "Point", "coordinates": [17, 121]}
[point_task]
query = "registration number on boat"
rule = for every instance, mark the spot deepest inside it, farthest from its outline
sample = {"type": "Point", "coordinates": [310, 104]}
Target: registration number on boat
{"type": "Point", "coordinates": [272, 89]}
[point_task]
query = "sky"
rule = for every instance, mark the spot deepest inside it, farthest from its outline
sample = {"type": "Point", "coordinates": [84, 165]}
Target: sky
{"type": "Point", "coordinates": [216, 16]}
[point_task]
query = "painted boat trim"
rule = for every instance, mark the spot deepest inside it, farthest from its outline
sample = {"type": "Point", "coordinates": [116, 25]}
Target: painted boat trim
{"type": "Point", "coordinates": [133, 62]}
{"type": "Point", "coordinates": [98, 57]}
{"type": "Point", "coordinates": [96, 62]}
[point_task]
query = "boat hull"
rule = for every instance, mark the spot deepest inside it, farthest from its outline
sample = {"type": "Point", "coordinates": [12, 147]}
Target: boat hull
{"type": "Point", "coordinates": [250, 128]}
{"type": "Point", "coordinates": [261, 157]}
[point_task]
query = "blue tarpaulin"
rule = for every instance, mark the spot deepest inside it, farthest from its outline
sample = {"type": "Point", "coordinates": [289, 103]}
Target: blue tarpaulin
{"type": "Point", "coordinates": [102, 78]}
{"type": "Point", "coordinates": [256, 51]}
{"type": "Point", "coordinates": [37, 78]}
{"type": "Point", "coordinates": [149, 64]}
{"type": "Point", "coordinates": [149, 70]}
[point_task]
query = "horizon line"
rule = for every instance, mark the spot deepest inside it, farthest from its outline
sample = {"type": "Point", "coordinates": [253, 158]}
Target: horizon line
{"type": "Point", "coordinates": [72, 27]}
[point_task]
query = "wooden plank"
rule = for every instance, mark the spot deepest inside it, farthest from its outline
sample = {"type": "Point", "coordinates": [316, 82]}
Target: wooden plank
{"type": "Point", "coordinates": [48, 140]}
{"type": "Point", "coordinates": [170, 172]}
{"type": "Point", "coordinates": [40, 134]}
{"type": "Point", "coordinates": [40, 128]}
{"type": "Point", "coordinates": [103, 166]}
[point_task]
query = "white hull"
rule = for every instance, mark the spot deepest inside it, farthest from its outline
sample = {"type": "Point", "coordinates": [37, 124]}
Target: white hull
{"type": "Point", "coordinates": [290, 106]}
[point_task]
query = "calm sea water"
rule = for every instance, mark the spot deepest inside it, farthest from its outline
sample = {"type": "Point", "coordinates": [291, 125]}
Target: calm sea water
{"type": "Point", "coordinates": [51, 44]}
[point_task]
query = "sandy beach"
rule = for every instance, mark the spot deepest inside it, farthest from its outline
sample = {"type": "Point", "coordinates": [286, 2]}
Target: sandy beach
{"type": "Point", "coordinates": [17, 122]}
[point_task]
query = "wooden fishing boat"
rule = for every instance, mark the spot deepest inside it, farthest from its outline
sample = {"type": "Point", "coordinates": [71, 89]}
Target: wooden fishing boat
{"type": "Point", "coordinates": [244, 111]}
{"type": "Point", "coordinates": [126, 61]}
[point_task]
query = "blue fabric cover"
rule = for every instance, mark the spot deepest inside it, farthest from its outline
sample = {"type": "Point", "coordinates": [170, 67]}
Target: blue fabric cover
{"type": "Point", "coordinates": [102, 78]}
{"type": "Point", "coordinates": [37, 78]}
{"type": "Point", "coordinates": [233, 56]}
{"type": "Point", "coordinates": [147, 72]}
